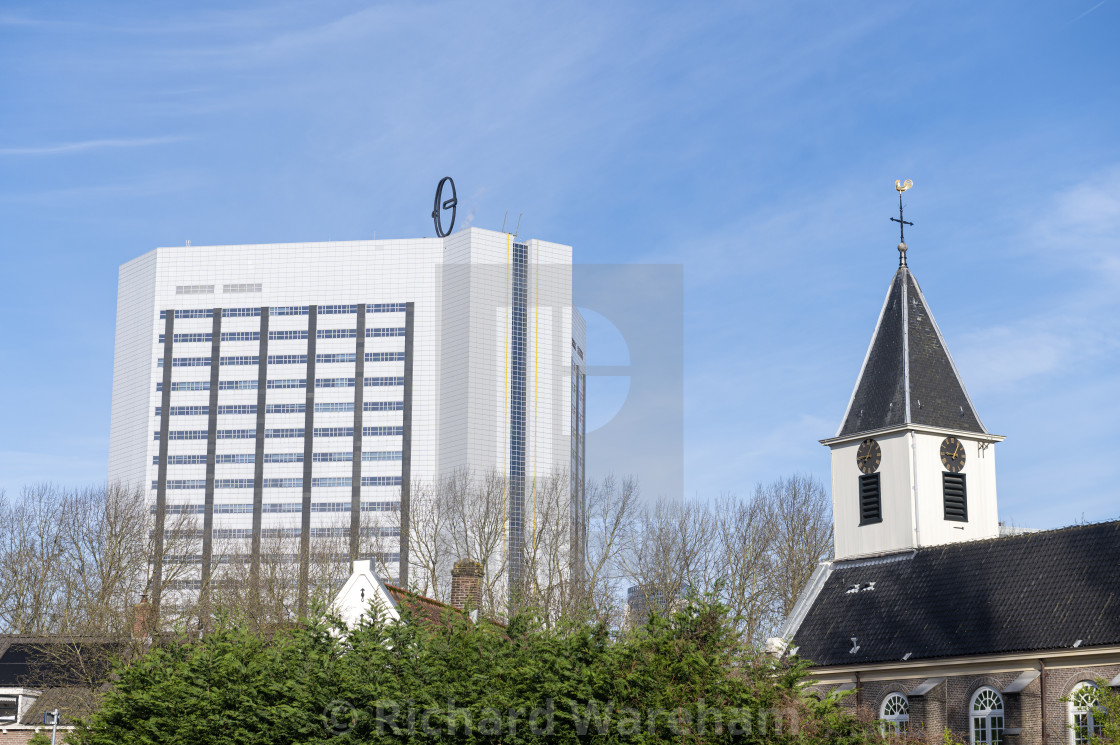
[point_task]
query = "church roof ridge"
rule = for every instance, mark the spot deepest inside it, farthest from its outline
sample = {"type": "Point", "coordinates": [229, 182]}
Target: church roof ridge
{"type": "Point", "coordinates": [907, 553]}
{"type": "Point", "coordinates": [908, 375]}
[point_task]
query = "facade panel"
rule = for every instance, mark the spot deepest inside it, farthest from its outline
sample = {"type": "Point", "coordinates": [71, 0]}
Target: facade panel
{"type": "Point", "coordinates": [467, 360]}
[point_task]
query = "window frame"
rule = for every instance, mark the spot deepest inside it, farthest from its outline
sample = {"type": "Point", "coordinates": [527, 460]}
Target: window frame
{"type": "Point", "coordinates": [986, 718]}
{"type": "Point", "coordinates": [897, 723]}
{"type": "Point", "coordinates": [1074, 710]}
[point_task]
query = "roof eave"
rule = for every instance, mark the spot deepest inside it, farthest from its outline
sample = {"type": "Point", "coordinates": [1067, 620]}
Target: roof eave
{"type": "Point", "coordinates": [993, 662]}
{"type": "Point", "coordinates": [925, 428]}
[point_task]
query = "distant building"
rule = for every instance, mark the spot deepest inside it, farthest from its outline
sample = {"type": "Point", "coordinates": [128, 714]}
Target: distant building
{"type": "Point", "coordinates": [290, 389]}
{"type": "Point", "coordinates": [927, 614]}
{"type": "Point", "coordinates": [642, 599]}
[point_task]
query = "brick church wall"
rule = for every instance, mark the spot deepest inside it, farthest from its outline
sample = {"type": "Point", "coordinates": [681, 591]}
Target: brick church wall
{"type": "Point", "coordinates": [948, 703]}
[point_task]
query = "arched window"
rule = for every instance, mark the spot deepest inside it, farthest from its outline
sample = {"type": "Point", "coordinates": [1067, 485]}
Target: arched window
{"type": "Point", "coordinates": [894, 714]}
{"type": "Point", "coordinates": [1084, 703]}
{"type": "Point", "coordinates": [987, 717]}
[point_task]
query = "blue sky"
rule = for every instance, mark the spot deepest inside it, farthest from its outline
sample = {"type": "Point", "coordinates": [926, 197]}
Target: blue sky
{"type": "Point", "coordinates": [756, 144]}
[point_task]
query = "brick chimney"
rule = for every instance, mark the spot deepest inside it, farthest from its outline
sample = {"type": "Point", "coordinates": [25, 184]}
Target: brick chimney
{"type": "Point", "coordinates": [141, 618]}
{"type": "Point", "coordinates": [466, 585]}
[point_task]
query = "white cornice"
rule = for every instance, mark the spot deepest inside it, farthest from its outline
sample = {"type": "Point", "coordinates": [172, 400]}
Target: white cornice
{"type": "Point", "coordinates": [943, 666]}
{"type": "Point", "coordinates": [899, 428]}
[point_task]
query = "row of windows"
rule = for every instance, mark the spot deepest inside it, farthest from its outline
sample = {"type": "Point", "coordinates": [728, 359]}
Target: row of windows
{"type": "Point", "coordinates": [189, 313]}
{"type": "Point", "coordinates": [184, 410]}
{"type": "Point", "coordinates": [295, 310]}
{"type": "Point", "coordinates": [272, 508]}
{"type": "Point", "coordinates": [186, 338]}
{"type": "Point", "coordinates": [187, 385]}
{"type": "Point", "coordinates": [199, 459]}
{"type": "Point", "coordinates": [226, 533]}
{"type": "Point", "coordinates": [336, 334]}
{"type": "Point", "coordinates": [299, 310]}
{"type": "Point", "coordinates": [986, 715]}
{"type": "Point", "coordinates": [326, 310]}
{"type": "Point", "coordinates": [280, 433]}
{"type": "Point", "coordinates": [383, 406]}
{"type": "Point", "coordinates": [274, 558]}
{"type": "Point", "coordinates": [237, 313]}
{"type": "Point", "coordinates": [209, 337]}
{"type": "Point", "coordinates": [280, 384]}
{"type": "Point", "coordinates": [283, 359]}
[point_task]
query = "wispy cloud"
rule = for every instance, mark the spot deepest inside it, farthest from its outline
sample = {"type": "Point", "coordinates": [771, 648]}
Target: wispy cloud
{"type": "Point", "coordinates": [64, 148]}
{"type": "Point", "coordinates": [1090, 10]}
{"type": "Point", "coordinates": [1071, 234]}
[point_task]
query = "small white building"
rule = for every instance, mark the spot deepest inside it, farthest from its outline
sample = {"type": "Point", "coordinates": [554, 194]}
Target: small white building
{"type": "Point", "coordinates": [365, 593]}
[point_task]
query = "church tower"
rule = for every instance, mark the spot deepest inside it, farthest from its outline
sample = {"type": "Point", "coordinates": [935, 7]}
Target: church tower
{"type": "Point", "coordinates": [912, 464]}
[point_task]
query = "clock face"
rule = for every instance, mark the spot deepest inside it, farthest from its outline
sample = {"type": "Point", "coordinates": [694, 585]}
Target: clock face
{"type": "Point", "coordinates": [952, 454]}
{"type": "Point", "coordinates": [869, 456]}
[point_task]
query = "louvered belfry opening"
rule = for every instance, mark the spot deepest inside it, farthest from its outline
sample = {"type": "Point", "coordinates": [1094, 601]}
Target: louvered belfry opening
{"type": "Point", "coordinates": [956, 496]}
{"type": "Point", "coordinates": [870, 500]}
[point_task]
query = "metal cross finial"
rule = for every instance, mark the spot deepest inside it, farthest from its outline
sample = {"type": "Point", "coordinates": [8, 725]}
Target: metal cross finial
{"type": "Point", "coordinates": [901, 186]}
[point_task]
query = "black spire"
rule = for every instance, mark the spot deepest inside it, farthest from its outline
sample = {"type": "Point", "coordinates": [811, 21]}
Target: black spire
{"type": "Point", "coordinates": [908, 376]}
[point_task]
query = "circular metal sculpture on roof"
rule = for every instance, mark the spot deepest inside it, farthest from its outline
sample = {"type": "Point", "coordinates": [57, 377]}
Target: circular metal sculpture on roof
{"type": "Point", "coordinates": [451, 204]}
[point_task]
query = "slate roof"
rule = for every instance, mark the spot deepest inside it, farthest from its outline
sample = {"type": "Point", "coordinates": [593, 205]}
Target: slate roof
{"type": "Point", "coordinates": [908, 376]}
{"type": "Point", "coordinates": [48, 661]}
{"type": "Point", "coordinates": [1034, 591]}
{"type": "Point", "coordinates": [72, 702]}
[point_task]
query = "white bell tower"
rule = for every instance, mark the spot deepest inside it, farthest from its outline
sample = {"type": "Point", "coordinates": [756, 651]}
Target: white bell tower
{"type": "Point", "coordinates": [912, 464]}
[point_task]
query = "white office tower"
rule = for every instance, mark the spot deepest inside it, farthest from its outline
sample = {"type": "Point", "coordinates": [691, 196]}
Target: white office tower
{"type": "Point", "coordinates": [304, 389]}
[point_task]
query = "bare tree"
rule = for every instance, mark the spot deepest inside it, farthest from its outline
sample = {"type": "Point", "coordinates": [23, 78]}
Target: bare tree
{"type": "Point", "coordinates": [478, 507]}
{"type": "Point", "coordinates": [430, 516]}
{"type": "Point", "coordinates": [670, 556]}
{"type": "Point", "coordinates": [549, 582]}
{"type": "Point", "coordinates": [611, 507]}
{"type": "Point", "coordinates": [744, 542]}
{"type": "Point", "coordinates": [802, 514]}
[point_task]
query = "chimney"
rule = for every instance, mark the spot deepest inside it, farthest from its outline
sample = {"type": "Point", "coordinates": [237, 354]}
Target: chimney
{"type": "Point", "coordinates": [141, 618]}
{"type": "Point", "coordinates": [466, 585]}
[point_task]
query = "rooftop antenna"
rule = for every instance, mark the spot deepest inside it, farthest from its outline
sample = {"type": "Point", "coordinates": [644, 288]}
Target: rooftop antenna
{"type": "Point", "coordinates": [504, 221]}
{"type": "Point", "coordinates": [518, 228]}
{"type": "Point", "coordinates": [901, 186]}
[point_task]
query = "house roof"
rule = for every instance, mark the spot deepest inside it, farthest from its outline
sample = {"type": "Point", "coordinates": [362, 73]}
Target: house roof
{"type": "Point", "coordinates": [908, 376]}
{"type": "Point", "coordinates": [432, 610]}
{"type": "Point", "coordinates": [1047, 590]}
{"type": "Point", "coordinates": [72, 702]}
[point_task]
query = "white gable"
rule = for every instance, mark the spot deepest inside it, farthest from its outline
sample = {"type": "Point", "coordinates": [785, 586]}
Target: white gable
{"type": "Point", "coordinates": [363, 587]}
